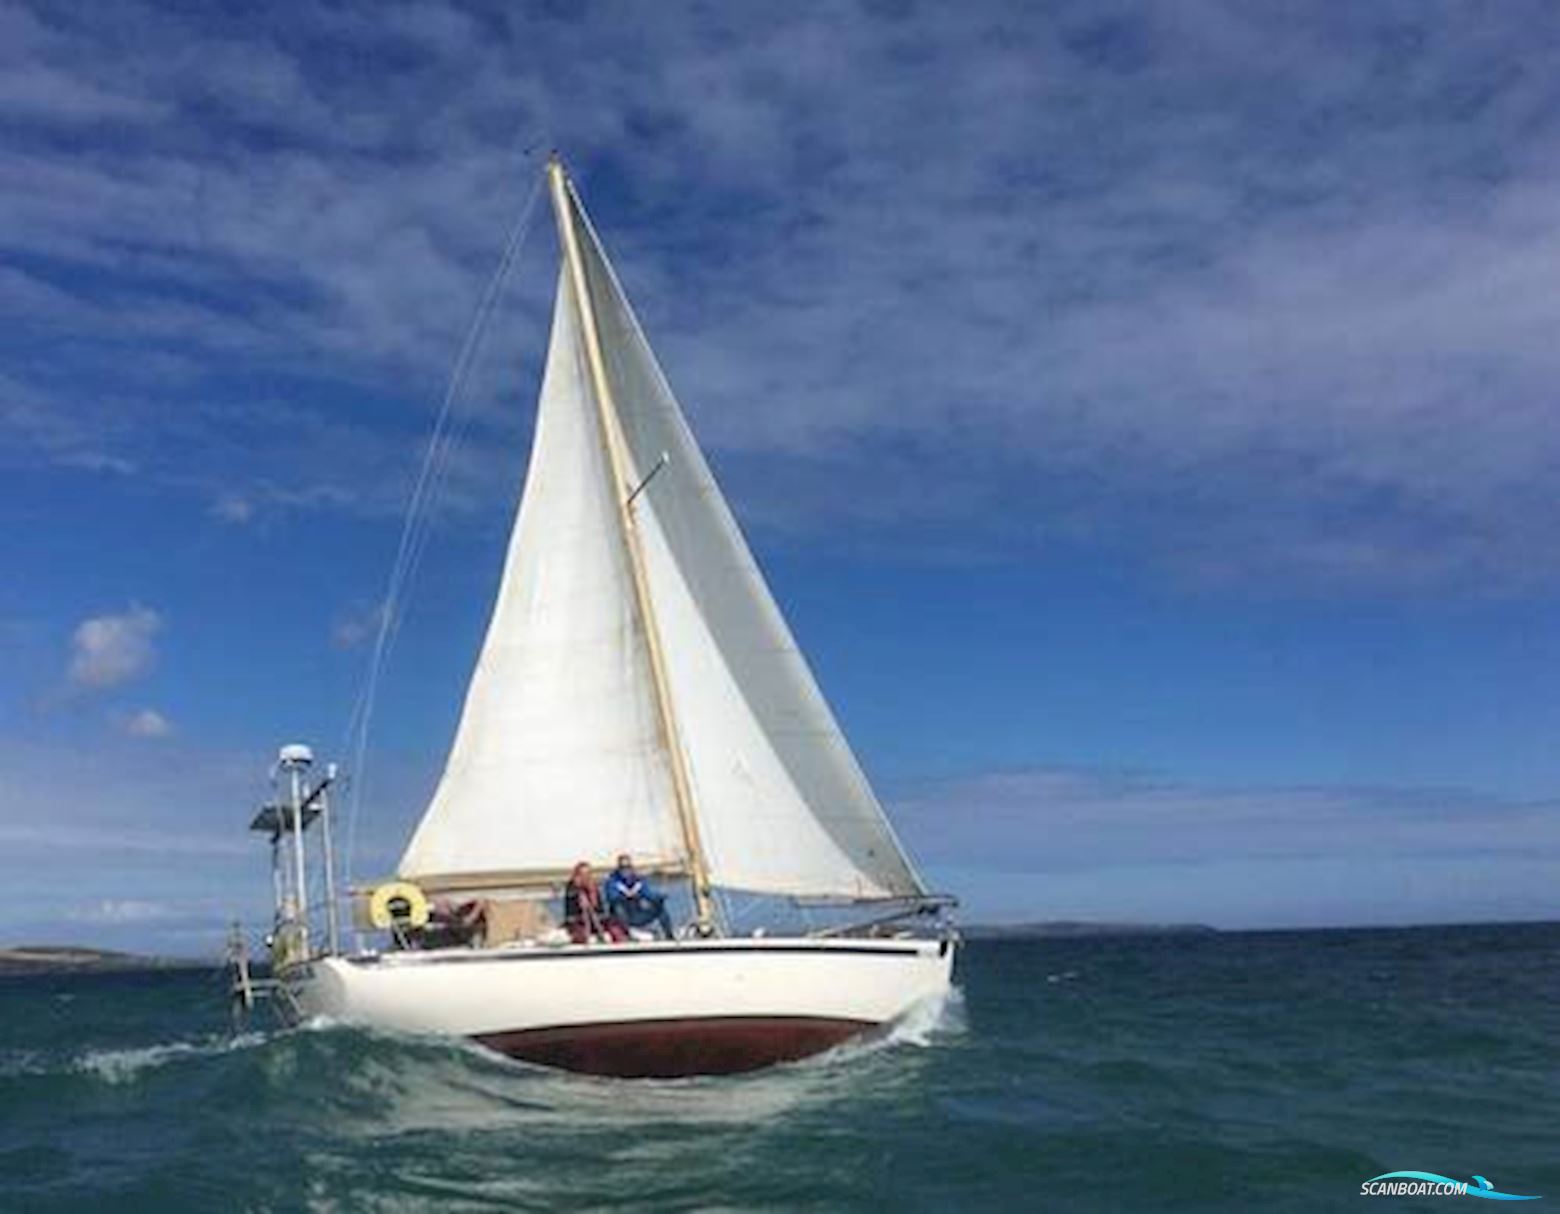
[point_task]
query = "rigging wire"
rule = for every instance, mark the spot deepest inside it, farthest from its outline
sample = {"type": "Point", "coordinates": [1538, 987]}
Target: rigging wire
{"type": "Point", "coordinates": [416, 526]}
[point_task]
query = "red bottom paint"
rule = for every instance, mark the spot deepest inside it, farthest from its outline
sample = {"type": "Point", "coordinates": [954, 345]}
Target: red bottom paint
{"type": "Point", "coordinates": [668, 1049]}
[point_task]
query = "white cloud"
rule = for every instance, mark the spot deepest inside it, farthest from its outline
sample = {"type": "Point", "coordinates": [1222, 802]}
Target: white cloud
{"type": "Point", "coordinates": [123, 910]}
{"type": "Point", "coordinates": [233, 508]}
{"type": "Point", "coordinates": [147, 723]}
{"type": "Point", "coordinates": [1065, 842]}
{"type": "Point", "coordinates": [353, 628]}
{"type": "Point", "coordinates": [1084, 817]}
{"type": "Point", "coordinates": [1031, 274]}
{"type": "Point", "coordinates": [109, 650]}
{"type": "Point", "coordinates": [120, 838]}
{"type": "Point", "coordinates": [126, 825]}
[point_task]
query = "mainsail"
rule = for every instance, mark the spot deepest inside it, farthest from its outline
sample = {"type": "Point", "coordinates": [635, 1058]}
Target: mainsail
{"type": "Point", "coordinates": [558, 754]}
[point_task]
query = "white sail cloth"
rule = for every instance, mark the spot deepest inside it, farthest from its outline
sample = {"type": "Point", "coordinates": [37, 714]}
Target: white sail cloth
{"type": "Point", "coordinates": [559, 753]}
{"type": "Point", "coordinates": [782, 803]}
{"type": "Point", "coordinates": [558, 756]}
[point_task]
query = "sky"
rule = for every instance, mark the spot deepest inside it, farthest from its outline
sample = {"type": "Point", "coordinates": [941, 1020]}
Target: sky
{"type": "Point", "coordinates": [1145, 415]}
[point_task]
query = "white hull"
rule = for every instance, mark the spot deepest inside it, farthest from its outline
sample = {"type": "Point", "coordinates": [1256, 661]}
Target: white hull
{"type": "Point", "coordinates": [693, 1007]}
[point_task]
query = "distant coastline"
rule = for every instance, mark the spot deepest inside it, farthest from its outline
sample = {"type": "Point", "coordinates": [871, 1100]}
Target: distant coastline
{"type": "Point", "coordinates": [69, 959]}
{"type": "Point", "coordinates": [1068, 928]}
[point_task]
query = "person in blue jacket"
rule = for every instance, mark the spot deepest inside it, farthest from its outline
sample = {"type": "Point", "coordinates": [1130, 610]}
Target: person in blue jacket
{"type": "Point", "coordinates": [632, 901]}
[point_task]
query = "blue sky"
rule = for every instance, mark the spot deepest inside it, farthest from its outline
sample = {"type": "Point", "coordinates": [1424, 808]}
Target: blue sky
{"type": "Point", "coordinates": [1145, 414]}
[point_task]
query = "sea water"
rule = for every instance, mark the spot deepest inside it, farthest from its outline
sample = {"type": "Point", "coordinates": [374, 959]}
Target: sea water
{"type": "Point", "coordinates": [1179, 1072]}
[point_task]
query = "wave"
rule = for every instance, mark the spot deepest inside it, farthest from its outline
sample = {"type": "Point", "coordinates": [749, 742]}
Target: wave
{"type": "Point", "coordinates": [350, 1084]}
{"type": "Point", "coordinates": [931, 1020]}
{"type": "Point", "coordinates": [22, 1062]}
{"type": "Point", "coordinates": [125, 1065]}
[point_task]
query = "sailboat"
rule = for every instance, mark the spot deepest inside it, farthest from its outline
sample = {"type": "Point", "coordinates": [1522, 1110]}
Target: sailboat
{"type": "Point", "coordinates": [637, 691]}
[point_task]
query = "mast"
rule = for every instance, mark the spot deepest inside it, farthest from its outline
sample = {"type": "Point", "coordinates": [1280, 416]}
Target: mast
{"type": "Point", "coordinates": [617, 456]}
